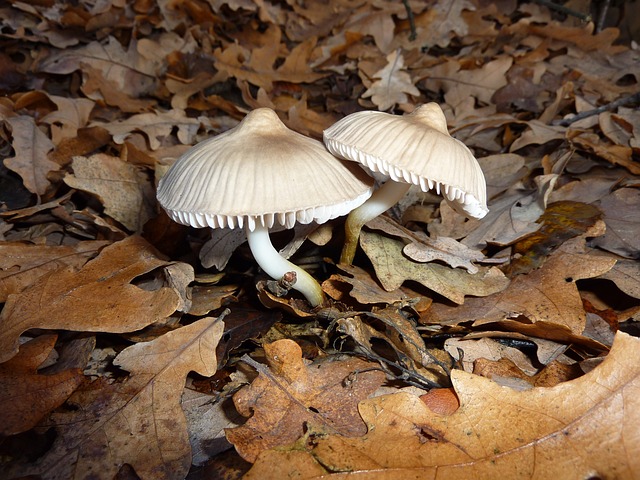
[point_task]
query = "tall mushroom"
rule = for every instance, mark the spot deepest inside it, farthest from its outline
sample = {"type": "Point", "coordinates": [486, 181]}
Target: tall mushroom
{"type": "Point", "coordinates": [257, 174]}
{"type": "Point", "coordinates": [413, 149]}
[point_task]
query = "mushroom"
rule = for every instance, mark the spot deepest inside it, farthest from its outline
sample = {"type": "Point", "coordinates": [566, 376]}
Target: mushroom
{"type": "Point", "coordinates": [413, 149]}
{"type": "Point", "coordinates": [255, 175]}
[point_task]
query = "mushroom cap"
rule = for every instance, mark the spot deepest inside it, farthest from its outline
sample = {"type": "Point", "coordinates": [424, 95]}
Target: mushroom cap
{"type": "Point", "coordinates": [260, 171]}
{"type": "Point", "coordinates": [414, 148]}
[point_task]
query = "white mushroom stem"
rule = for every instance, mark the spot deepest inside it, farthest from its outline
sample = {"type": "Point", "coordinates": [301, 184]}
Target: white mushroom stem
{"type": "Point", "coordinates": [276, 266]}
{"type": "Point", "coordinates": [382, 200]}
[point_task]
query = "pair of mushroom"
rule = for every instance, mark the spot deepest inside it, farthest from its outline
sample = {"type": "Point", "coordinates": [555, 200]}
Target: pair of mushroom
{"type": "Point", "coordinates": [260, 173]}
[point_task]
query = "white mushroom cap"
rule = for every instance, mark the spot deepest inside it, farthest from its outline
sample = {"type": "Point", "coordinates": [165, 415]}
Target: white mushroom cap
{"type": "Point", "coordinates": [416, 149]}
{"type": "Point", "coordinates": [260, 172]}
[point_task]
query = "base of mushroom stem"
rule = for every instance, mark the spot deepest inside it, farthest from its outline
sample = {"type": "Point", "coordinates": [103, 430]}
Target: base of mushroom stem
{"type": "Point", "coordinates": [281, 287]}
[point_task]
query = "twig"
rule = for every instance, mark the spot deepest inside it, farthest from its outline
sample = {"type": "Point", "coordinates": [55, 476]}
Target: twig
{"type": "Point", "coordinates": [585, 17]}
{"type": "Point", "coordinates": [565, 122]}
{"type": "Point", "coordinates": [412, 21]}
{"type": "Point", "coordinates": [602, 15]}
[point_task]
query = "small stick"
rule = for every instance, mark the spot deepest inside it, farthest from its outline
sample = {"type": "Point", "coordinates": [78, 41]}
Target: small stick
{"type": "Point", "coordinates": [412, 21]}
{"type": "Point", "coordinates": [602, 15]}
{"type": "Point", "coordinates": [562, 9]}
{"type": "Point", "coordinates": [609, 106]}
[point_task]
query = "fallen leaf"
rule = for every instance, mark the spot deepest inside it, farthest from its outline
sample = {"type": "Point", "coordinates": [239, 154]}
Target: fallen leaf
{"type": "Point", "coordinates": [138, 422]}
{"type": "Point", "coordinates": [393, 84]}
{"type": "Point", "coordinates": [31, 147]}
{"type": "Point", "coordinates": [548, 294]}
{"type": "Point", "coordinates": [423, 248]}
{"type": "Point", "coordinates": [26, 396]}
{"type": "Point", "coordinates": [365, 289]}
{"type": "Point", "coordinates": [497, 432]}
{"type": "Point", "coordinates": [97, 298]}
{"type": "Point", "coordinates": [393, 269]}
{"type": "Point", "coordinates": [622, 217]}
{"type": "Point", "coordinates": [22, 264]}
{"type": "Point", "coordinates": [560, 221]}
{"type": "Point", "coordinates": [292, 393]}
{"type": "Point", "coordinates": [124, 190]}
{"type": "Point", "coordinates": [126, 69]}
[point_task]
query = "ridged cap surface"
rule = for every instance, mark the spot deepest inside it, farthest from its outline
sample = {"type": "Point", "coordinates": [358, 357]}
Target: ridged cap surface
{"type": "Point", "coordinates": [414, 148]}
{"type": "Point", "coordinates": [260, 171]}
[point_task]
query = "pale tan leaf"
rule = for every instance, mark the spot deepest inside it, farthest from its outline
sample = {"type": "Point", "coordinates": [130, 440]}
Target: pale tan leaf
{"type": "Point", "coordinates": [31, 147]}
{"type": "Point", "coordinates": [124, 190]}
{"type": "Point", "coordinates": [393, 268]}
{"type": "Point", "coordinates": [393, 84]}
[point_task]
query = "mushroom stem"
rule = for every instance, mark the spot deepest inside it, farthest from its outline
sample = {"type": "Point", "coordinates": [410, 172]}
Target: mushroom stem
{"type": "Point", "coordinates": [382, 200]}
{"type": "Point", "coordinates": [276, 266]}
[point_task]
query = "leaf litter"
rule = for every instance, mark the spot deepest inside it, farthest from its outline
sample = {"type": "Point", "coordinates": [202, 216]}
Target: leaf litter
{"type": "Point", "coordinates": [515, 332]}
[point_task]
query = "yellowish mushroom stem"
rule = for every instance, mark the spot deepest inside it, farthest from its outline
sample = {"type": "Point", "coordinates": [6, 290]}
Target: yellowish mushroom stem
{"type": "Point", "coordinates": [382, 200]}
{"type": "Point", "coordinates": [276, 266]}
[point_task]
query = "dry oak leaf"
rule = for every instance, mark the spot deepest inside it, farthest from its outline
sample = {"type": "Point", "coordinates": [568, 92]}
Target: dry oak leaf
{"type": "Point", "coordinates": [124, 190]}
{"type": "Point", "coordinates": [31, 147]}
{"type": "Point", "coordinates": [97, 298]}
{"type": "Point", "coordinates": [291, 393]}
{"type": "Point", "coordinates": [622, 217]}
{"type": "Point", "coordinates": [27, 396]}
{"type": "Point", "coordinates": [393, 84]}
{"type": "Point", "coordinates": [423, 249]}
{"type": "Point", "coordinates": [257, 65]}
{"type": "Point", "coordinates": [21, 264]}
{"type": "Point", "coordinates": [139, 421]}
{"type": "Point", "coordinates": [583, 428]}
{"type": "Point", "coordinates": [133, 74]}
{"type": "Point", "coordinates": [157, 126]}
{"type": "Point", "coordinates": [548, 294]}
{"type": "Point", "coordinates": [393, 268]}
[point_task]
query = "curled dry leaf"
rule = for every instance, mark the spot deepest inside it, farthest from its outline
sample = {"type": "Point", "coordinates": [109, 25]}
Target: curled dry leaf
{"type": "Point", "coordinates": [393, 85]}
{"type": "Point", "coordinates": [548, 294]}
{"type": "Point", "coordinates": [423, 248]}
{"type": "Point", "coordinates": [365, 289]}
{"type": "Point", "coordinates": [97, 298]}
{"type": "Point", "coordinates": [579, 429]}
{"type": "Point", "coordinates": [31, 147]}
{"type": "Point", "coordinates": [125, 192]}
{"type": "Point", "coordinates": [290, 394]}
{"type": "Point", "coordinates": [27, 396]}
{"type": "Point", "coordinates": [139, 421]}
{"type": "Point", "coordinates": [393, 268]}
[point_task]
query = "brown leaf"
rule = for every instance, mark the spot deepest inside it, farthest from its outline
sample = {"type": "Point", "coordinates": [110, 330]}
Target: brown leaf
{"type": "Point", "coordinates": [548, 294]}
{"type": "Point", "coordinates": [125, 192]}
{"type": "Point", "coordinates": [126, 69]}
{"type": "Point", "coordinates": [97, 298]}
{"type": "Point", "coordinates": [496, 433]}
{"type": "Point", "coordinates": [365, 288]}
{"type": "Point", "coordinates": [423, 248]}
{"type": "Point", "coordinates": [31, 147]}
{"type": "Point", "coordinates": [392, 269]}
{"type": "Point", "coordinates": [22, 264]}
{"type": "Point", "coordinates": [139, 421]}
{"type": "Point", "coordinates": [560, 221]}
{"type": "Point", "coordinates": [292, 393]}
{"type": "Point", "coordinates": [622, 216]}
{"type": "Point", "coordinates": [393, 84]}
{"type": "Point", "coordinates": [26, 396]}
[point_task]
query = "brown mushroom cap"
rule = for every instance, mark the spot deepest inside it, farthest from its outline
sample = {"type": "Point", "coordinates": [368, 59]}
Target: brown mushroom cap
{"type": "Point", "coordinates": [414, 148]}
{"type": "Point", "coordinates": [260, 171]}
